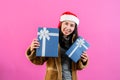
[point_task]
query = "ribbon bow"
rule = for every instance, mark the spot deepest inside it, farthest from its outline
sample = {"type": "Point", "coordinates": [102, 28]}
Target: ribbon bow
{"type": "Point", "coordinates": [80, 43]}
{"type": "Point", "coordinates": [44, 34]}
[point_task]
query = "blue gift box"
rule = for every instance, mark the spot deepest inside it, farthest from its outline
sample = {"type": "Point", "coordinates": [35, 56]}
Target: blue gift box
{"type": "Point", "coordinates": [48, 38]}
{"type": "Point", "coordinates": [76, 50]}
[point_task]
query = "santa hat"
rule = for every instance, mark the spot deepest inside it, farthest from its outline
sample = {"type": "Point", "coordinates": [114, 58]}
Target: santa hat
{"type": "Point", "coordinates": [69, 16]}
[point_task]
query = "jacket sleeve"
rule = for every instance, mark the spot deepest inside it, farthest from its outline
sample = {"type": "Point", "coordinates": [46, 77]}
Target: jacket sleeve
{"type": "Point", "coordinates": [31, 55]}
{"type": "Point", "coordinates": [81, 65]}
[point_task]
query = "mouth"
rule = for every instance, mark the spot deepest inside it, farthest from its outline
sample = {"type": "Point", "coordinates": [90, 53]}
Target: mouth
{"type": "Point", "coordinates": [66, 31]}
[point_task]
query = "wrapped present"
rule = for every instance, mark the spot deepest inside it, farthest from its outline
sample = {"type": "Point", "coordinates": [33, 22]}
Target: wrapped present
{"type": "Point", "coordinates": [48, 38]}
{"type": "Point", "coordinates": [76, 50]}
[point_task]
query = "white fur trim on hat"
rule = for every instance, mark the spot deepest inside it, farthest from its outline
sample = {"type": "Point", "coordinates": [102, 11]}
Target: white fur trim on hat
{"type": "Point", "coordinates": [70, 18]}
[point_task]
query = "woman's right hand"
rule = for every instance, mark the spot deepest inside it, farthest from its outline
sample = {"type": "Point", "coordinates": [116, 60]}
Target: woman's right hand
{"type": "Point", "coordinates": [35, 44]}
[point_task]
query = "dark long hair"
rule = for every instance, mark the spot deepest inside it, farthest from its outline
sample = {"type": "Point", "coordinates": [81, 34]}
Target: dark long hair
{"type": "Point", "coordinates": [72, 37]}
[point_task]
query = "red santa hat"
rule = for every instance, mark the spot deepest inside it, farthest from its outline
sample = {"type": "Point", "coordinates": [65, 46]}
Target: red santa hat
{"type": "Point", "coordinates": [69, 16]}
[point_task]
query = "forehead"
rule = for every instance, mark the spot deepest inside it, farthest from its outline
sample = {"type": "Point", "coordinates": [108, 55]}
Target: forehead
{"type": "Point", "coordinates": [70, 22]}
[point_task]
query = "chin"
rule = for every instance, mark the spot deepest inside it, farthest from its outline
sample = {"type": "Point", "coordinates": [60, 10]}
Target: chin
{"type": "Point", "coordinates": [66, 34]}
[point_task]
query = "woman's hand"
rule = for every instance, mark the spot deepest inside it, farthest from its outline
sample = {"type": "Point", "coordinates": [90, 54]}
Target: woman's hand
{"type": "Point", "coordinates": [84, 57]}
{"type": "Point", "coordinates": [35, 44]}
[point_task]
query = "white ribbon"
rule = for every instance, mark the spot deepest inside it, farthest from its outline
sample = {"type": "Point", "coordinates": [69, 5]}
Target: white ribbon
{"type": "Point", "coordinates": [79, 43]}
{"type": "Point", "coordinates": [44, 34]}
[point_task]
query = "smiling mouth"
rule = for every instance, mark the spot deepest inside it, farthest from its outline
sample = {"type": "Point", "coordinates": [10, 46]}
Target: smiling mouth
{"type": "Point", "coordinates": [67, 31]}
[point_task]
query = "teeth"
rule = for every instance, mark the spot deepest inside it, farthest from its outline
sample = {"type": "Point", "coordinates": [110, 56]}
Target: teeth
{"type": "Point", "coordinates": [68, 30]}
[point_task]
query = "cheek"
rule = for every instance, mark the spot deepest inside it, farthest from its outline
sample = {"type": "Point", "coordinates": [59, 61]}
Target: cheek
{"type": "Point", "coordinates": [62, 28]}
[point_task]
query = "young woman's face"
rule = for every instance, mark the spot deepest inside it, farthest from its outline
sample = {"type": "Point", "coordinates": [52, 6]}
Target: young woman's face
{"type": "Point", "coordinates": [67, 27]}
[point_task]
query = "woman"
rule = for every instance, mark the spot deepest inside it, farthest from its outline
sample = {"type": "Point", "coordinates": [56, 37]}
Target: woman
{"type": "Point", "coordinates": [62, 67]}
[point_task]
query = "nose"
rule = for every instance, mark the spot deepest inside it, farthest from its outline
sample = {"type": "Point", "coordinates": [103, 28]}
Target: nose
{"type": "Point", "coordinates": [68, 27]}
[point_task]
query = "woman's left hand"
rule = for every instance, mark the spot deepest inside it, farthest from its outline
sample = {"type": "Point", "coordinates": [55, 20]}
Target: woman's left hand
{"type": "Point", "coordinates": [84, 57]}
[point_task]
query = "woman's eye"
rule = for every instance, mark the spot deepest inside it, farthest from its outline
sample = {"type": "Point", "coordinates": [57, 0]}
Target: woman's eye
{"type": "Point", "coordinates": [66, 23]}
{"type": "Point", "coordinates": [72, 25]}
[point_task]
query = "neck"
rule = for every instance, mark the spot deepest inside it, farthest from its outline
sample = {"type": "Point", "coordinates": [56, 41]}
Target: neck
{"type": "Point", "coordinates": [65, 36]}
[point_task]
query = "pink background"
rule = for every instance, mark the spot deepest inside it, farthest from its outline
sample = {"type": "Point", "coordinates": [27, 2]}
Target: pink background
{"type": "Point", "coordinates": [99, 25]}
